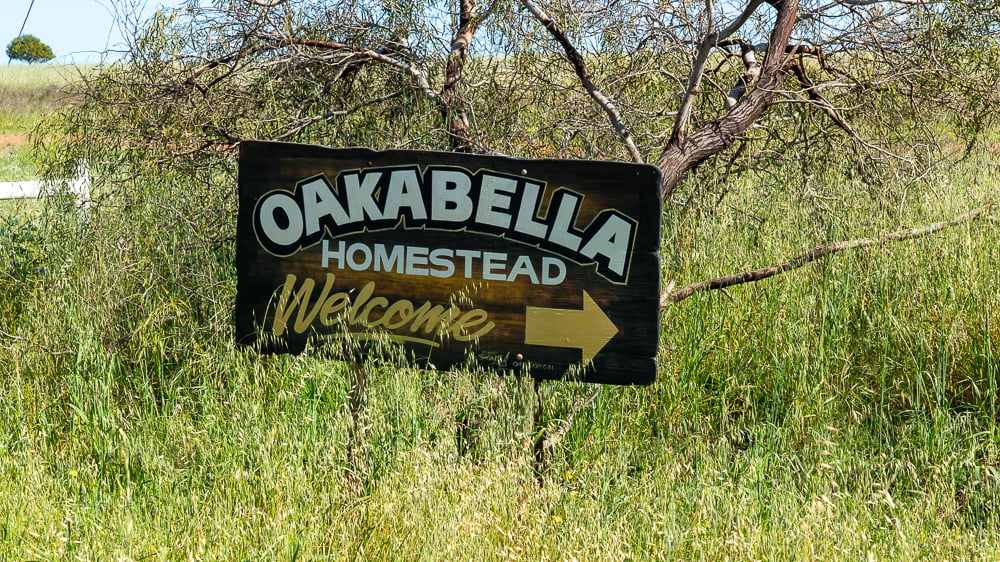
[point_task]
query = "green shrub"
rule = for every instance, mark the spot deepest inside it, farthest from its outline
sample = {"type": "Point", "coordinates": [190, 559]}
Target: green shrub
{"type": "Point", "coordinates": [22, 260]}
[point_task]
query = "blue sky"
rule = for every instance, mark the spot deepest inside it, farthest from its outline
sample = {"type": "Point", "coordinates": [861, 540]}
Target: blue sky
{"type": "Point", "coordinates": [77, 30]}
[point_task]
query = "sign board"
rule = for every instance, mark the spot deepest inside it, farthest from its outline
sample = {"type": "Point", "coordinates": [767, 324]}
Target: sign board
{"type": "Point", "coordinates": [535, 266]}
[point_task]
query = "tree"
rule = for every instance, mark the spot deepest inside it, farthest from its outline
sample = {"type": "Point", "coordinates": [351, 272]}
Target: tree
{"type": "Point", "coordinates": [29, 49]}
{"type": "Point", "coordinates": [674, 84]}
{"type": "Point", "coordinates": [860, 84]}
{"type": "Point", "coordinates": [713, 92]}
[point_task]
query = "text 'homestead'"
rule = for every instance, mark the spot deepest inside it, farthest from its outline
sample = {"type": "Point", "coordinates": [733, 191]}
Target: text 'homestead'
{"type": "Point", "coordinates": [539, 266]}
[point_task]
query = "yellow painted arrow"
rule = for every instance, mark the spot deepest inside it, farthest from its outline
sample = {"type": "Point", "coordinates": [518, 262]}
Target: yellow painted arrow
{"type": "Point", "coordinates": [588, 330]}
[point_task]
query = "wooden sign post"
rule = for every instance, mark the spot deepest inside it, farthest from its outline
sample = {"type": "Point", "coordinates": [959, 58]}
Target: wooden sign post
{"type": "Point", "coordinates": [536, 266]}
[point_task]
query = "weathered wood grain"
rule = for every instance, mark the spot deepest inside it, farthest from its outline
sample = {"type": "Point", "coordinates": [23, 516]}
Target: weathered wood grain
{"type": "Point", "coordinates": [632, 305]}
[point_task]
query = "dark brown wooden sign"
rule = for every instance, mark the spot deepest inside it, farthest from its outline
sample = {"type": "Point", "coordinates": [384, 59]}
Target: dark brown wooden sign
{"type": "Point", "coordinates": [537, 266]}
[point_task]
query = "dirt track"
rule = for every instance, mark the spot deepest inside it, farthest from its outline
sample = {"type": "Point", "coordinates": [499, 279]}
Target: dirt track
{"type": "Point", "coordinates": [12, 139]}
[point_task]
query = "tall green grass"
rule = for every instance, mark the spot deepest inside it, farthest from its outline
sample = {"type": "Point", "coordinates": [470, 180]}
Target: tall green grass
{"type": "Point", "coordinates": [844, 410]}
{"type": "Point", "coordinates": [29, 91]}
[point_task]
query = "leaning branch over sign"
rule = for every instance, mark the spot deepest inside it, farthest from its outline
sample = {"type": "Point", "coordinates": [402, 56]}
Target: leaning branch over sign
{"type": "Point", "coordinates": [815, 254]}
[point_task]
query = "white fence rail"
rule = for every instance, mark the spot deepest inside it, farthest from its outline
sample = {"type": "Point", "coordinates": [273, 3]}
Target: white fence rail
{"type": "Point", "coordinates": [79, 187]}
{"type": "Point", "coordinates": [20, 189]}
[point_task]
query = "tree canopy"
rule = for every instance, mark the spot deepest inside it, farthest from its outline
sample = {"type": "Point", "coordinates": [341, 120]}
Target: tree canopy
{"type": "Point", "coordinates": [673, 84]}
{"type": "Point", "coordinates": [29, 49]}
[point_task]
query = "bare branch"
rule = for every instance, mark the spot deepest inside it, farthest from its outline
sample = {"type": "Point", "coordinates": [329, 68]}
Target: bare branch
{"type": "Point", "coordinates": [683, 153]}
{"type": "Point", "coordinates": [338, 113]}
{"type": "Point", "coordinates": [799, 70]}
{"type": "Point", "coordinates": [266, 3]}
{"type": "Point", "coordinates": [697, 71]}
{"type": "Point", "coordinates": [44, 347]}
{"type": "Point", "coordinates": [581, 71]}
{"type": "Point", "coordinates": [740, 21]}
{"type": "Point", "coordinates": [817, 253]}
{"type": "Point", "coordinates": [749, 78]}
{"type": "Point", "coordinates": [580, 403]}
{"type": "Point", "coordinates": [713, 39]}
{"type": "Point", "coordinates": [451, 103]}
{"type": "Point", "coordinates": [873, 2]}
{"type": "Point", "coordinates": [408, 66]}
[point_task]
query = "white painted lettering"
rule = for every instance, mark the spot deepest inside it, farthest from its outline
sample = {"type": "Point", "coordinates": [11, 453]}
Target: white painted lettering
{"type": "Point", "coordinates": [442, 258]}
{"type": "Point", "coordinates": [494, 196]}
{"type": "Point", "coordinates": [360, 195]}
{"type": "Point", "coordinates": [550, 278]}
{"type": "Point", "coordinates": [526, 212]}
{"type": "Point", "coordinates": [468, 255]}
{"type": "Point", "coordinates": [416, 260]}
{"type": "Point", "coordinates": [404, 191]}
{"type": "Point", "coordinates": [443, 263]}
{"type": "Point", "coordinates": [450, 201]}
{"type": "Point", "coordinates": [441, 199]}
{"type": "Point", "coordinates": [289, 234]}
{"type": "Point", "coordinates": [493, 265]}
{"type": "Point", "coordinates": [566, 211]}
{"type": "Point", "coordinates": [319, 201]}
{"type": "Point", "coordinates": [387, 261]}
{"type": "Point", "coordinates": [337, 254]}
{"type": "Point", "coordinates": [611, 241]}
{"type": "Point", "coordinates": [523, 266]}
{"type": "Point", "coordinates": [366, 255]}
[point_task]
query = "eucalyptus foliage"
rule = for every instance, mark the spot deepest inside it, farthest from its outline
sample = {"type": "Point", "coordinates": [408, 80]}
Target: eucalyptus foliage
{"type": "Point", "coordinates": [880, 79]}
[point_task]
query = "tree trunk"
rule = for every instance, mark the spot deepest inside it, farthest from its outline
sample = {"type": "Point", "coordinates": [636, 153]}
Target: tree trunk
{"type": "Point", "coordinates": [452, 105]}
{"type": "Point", "coordinates": [683, 153]}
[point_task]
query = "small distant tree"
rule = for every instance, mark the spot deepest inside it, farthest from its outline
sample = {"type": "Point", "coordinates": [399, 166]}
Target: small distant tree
{"type": "Point", "coordinates": [30, 49]}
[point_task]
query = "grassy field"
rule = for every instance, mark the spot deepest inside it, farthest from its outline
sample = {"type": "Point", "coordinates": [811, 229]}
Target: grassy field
{"type": "Point", "coordinates": [845, 411]}
{"type": "Point", "coordinates": [27, 93]}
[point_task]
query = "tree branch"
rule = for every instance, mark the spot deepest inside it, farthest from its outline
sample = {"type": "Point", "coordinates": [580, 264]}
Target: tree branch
{"type": "Point", "coordinates": [749, 78]}
{"type": "Point", "coordinates": [580, 67]}
{"type": "Point", "coordinates": [44, 347]}
{"type": "Point", "coordinates": [741, 20]}
{"type": "Point", "coordinates": [817, 253]}
{"type": "Point", "coordinates": [408, 66]}
{"type": "Point", "coordinates": [684, 153]}
{"type": "Point", "coordinates": [697, 72]}
{"type": "Point", "coordinates": [451, 106]}
{"type": "Point", "coordinates": [798, 68]}
{"type": "Point", "coordinates": [338, 113]}
{"type": "Point", "coordinates": [715, 39]}
{"type": "Point", "coordinates": [548, 442]}
{"type": "Point", "coordinates": [872, 2]}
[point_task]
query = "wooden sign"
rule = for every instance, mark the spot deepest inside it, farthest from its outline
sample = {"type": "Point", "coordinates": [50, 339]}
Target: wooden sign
{"type": "Point", "coordinates": [536, 266]}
